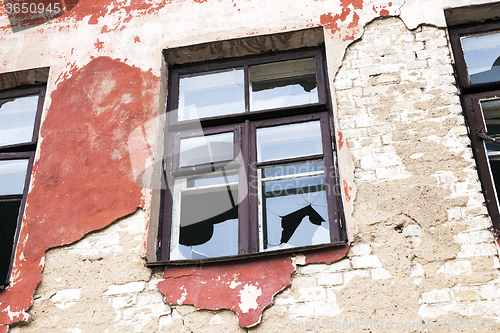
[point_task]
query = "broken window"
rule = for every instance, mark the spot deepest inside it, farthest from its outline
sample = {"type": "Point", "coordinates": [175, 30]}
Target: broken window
{"type": "Point", "coordinates": [477, 56]}
{"type": "Point", "coordinates": [249, 163]}
{"type": "Point", "coordinates": [20, 111]}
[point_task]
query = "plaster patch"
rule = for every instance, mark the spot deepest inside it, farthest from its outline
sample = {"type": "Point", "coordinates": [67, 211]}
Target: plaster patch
{"type": "Point", "coordinates": [248, 297]}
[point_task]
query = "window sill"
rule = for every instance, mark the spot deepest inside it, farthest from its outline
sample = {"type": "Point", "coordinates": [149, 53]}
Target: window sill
{"type": "Point", "coordinates": [301, 249]}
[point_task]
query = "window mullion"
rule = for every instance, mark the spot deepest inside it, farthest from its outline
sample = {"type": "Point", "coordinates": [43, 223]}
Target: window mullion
{"type": "Point", "coordinates": [247, 88]}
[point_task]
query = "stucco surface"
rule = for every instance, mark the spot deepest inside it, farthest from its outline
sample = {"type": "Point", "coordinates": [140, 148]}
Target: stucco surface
{"type": "Point", "coordinates": [104, 82]}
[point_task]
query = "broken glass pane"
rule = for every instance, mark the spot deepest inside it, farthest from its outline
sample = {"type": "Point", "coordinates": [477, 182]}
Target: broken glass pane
{"type": "Point", "coordinates": [294, 209]}
{"type": "Point", "coordinates": [491, 114]}
{"type": "Point", "coordinates": [13, 176]}
{"type": "Point", "coordinates": [17, 119]}
{"type": "Point", "coordinates": [207, 224]}
{"type": "Point", "coordinates": [289, 141]}
{"type": "Point", "coordinates": [482, 57]}
{"type": "Point", "coordinates": [211, 94]}
{"type": "Point", "coordinates": [282, 84]}
{"type": "Point", "coordinates": [206, 149]}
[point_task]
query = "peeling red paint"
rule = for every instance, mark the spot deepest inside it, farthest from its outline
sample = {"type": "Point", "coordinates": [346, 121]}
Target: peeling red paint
{"type": "Point", "coordinates": [136, 39]}
{"type": "Point", "coordinates": [347, 188]}
{"type": "Point", "coordinates": [83, 180]}
{"type": "Point", "coordinates": [332, 23]}
{"type": "Point", "coordinates": [4, 328]}
{"type": "Point", "coordinates": [341, 139]}
{"type": "Point", "coordinates": [224, 285]}
{"type": "Point", "coordinates": [327, 255]}
{"type": "Point", "coordinates": [99, 45]}
{"type": "Point", "coordinates": [229, 286]}
{"type": "Point", "coordinates": [382, 10]}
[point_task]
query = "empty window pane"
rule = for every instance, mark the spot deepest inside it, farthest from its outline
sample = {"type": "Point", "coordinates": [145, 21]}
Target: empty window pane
{"type": "Point", "coordinates": [283, 84]}
{"type": "Point", "coordinates": [482, 56]}
{"type": "Point", "coordinates": [206, 149]}
{"type": "Point", "coordinates": [288, 141]}
{"type": "Point", "coordinates": [211, 94]}
{"type": "Point", "coordinates": [17, 118]}
{"type": "Point", "coordinates": [12, 176]}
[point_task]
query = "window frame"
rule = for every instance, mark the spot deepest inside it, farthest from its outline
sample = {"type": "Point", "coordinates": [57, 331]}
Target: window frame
{"type": "Point", "coordinates": [471, 96]}
{"type": "Point", "coordinates": [455, 35]}
{"type": "Point", "coordinates": [22, 150]}
{"type": "Point", "coordinates": [243, 124]}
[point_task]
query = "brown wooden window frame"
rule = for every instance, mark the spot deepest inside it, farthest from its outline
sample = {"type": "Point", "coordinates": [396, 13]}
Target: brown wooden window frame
{"type": "Point", "coordinates": [244, 126]}
{"type": "Point", "coordinates": [22, 150]}
{"type": "Point", "coordinates": [471, 96]}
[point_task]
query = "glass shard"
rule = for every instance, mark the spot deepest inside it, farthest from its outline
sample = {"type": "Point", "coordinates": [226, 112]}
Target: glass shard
{"type": "Point", "coordinates": [283, 84]}
{"type": "Point", "coordinates": [294, 209]}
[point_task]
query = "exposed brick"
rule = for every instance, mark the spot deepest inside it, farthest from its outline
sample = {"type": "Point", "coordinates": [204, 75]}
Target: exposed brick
{"type": "Point", "coordinates": [359, 250]}
{"type": "Point", "coordinates": [490, 291]}
{"type": "Point", "coordinates": [329, 279]}
{"type": "Point", "coordinates": [131, 287]}
{"type": "Point", "coordinates": [435, 296]}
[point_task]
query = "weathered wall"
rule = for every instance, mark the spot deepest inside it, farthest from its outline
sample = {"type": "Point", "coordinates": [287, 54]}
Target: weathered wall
{"type": "Point", "coordinates": [423, 250]}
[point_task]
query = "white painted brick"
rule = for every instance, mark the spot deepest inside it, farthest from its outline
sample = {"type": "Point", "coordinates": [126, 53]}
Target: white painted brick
{"type": "Point", "coordinates": [437, 310]}
{"type": "Point", "coordinates": [66, 298]}
{"type": "Point", "coordinates": [457, 267]}
{"type": "Point", "coordinates": [490, 291]}
{"type": "Point", "coordinates": [435, 296]}
{"type": "Point", "coordinates": [412, 230]}
{"type": "Point", "coordinates": [474, 237]}
{"type": "Point", "coordinates": [152, 285]}
{"type": "Point", "coordinates": [366, 261]}
{"type": "Point", "coordinates": [360, 249]}
{"type": "Point", "coordinates": [496, 263]}
{"type": "Point", "coordinates": [329, 279]}
{"type": "Point", "coordinates": [148, 299]}
{"type": "Point", "coordinates": [342, 265]}
{"type": "Point", "coordinates": [313, 268]}
{"type": "Point", "coordinates": [365, 175]}
{"type": "Point", "coordinates": [123, 302]}
{"type": "Point", "coordinates": [417, 272]}
{"type": "Point", "coordinates": [326, 308]}
{"type": "Point", "coordinates": [485, 308]}
{"type": "Point", "coordinates": [301, 310]}
{"type": "Point", "coordinates": [343, 84]}
{"type": "Point", "coordinates": [132, 287]}
{"type": "Point", "coordinates": [394, 173]}
{"type": "Point", "coordinates": [312, 294]}
{"type": "Point", "coordinates": [348, 276]}
{"type": "Point", "coordinates": [380, 274]}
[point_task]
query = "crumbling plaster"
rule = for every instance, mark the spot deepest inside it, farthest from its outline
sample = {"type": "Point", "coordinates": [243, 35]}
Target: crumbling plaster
{"type": "Point", "coordinates": [96, 82]}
